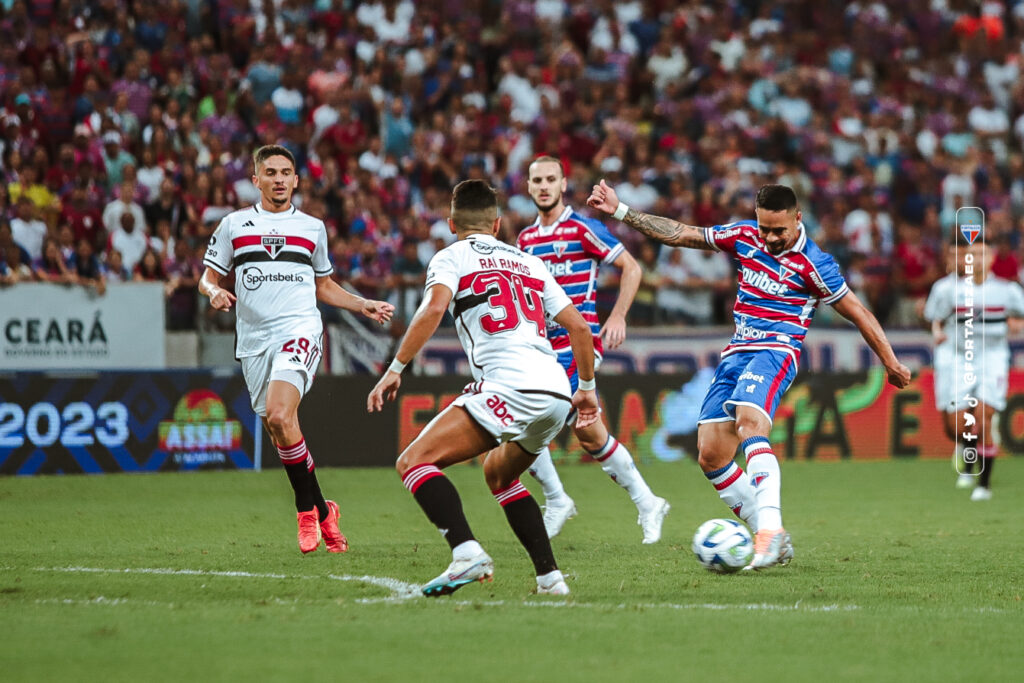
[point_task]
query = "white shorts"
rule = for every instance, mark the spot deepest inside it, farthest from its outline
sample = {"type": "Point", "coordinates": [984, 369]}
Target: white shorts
{"type": "Point", "coordinates": [991, 369]}
{"type": "Point", "coordinates": [294, 361]}
{"type": "Point", "coordinates": [530, 418]}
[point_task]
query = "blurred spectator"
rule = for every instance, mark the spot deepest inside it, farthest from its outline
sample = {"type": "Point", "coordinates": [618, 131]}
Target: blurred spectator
{"type": "Point", "coordinates": [643, 311]}
{"type": "Point", "coordinates": [408, 274]}
{"type": "Point", "coordinates": [183, 274]}
{"type": "Point", "coordinates": [692, 280]}
{"type": "Point", "coordinates": [28, 231]}
{"type": "Point", "coordinates": [86, 267]}
{"type": "Point", "coordinates": [129, 240]}
{"type": "Point", "coordinates": [114, 270]}
{"type": "Point", "coordinates": [50, 267]}
{"type": "Point", "coordinates": [124, 203]}
{"type": "Point", "coordinates": [115, 158]}
{"type": "Point", "coordinates": [149, 268]}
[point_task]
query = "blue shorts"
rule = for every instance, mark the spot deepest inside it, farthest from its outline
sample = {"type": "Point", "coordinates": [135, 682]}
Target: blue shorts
{"type": "Point", "coordinates": [748, 378]}
{"type": "Point", "coordinates": [568, 363]}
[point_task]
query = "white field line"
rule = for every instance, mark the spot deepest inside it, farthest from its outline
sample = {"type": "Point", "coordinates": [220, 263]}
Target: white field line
{"type": "Point", "coordinates": [402, 591]}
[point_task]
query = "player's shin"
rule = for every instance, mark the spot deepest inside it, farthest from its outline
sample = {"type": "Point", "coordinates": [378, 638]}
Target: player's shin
{"type": "Point", "coordinates": [543, 470]}
{"type": "Point", "coordinates": [734, 489]}
{"type": "Point", "coordinates": [766, 478]}
{"type": "Point", "coordinates": [524, 517]}
{"type": "Point", "coordinates": [440, 501]}
{"type": "Point", "coordinates": [617, 462]}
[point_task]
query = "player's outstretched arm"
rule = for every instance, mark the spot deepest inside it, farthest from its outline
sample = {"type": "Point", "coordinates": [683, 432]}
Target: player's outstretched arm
{"type": "Point", "coordinates": [209, 285]}
{"type": "Point", "coordinates": [421, 329]}
{"type": "Point", "coordinates": [665, 230]}
{"type": "Point", "coordinates": [851, 308]}
{"type": "Point", "coordinates": [330, 292]}
{"type": "Point", "coordinates": [582, 341]}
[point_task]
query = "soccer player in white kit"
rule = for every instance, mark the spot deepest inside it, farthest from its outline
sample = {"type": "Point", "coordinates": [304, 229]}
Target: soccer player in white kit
{"type": "Point", "coordinates": [279, 255]}
{"type": "Point", "coordinates": [987, 301]}
{"type": "Point", "coordinates": [502, 299]}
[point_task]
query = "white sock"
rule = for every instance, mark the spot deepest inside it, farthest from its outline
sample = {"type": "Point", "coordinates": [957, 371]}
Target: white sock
{"type": "Point", "coordinates": [734, 489]}
{"type": "Point", "coordinates": [543, 470]}
{"type": "Point", "coordinates": [466, 550]}
{"type": "Point", "coordinates": [763, 470]}
{"type": "Point", "coordinates": [618, 464]}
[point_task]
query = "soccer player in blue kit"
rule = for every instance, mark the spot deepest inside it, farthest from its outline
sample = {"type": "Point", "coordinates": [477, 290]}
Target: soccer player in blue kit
{"type": "Point", "coordinates": [783, 276]}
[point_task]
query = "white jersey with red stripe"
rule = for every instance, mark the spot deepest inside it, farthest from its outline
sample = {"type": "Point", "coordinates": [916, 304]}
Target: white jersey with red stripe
{"type": "Point", "coordinates": [503, 300]}
{"type": "Point", "coordinates": [955, 300]}
{"type": "Point", "coordinates": [276, 257]}
{"type": "Point", "coordinates": [573, 248]}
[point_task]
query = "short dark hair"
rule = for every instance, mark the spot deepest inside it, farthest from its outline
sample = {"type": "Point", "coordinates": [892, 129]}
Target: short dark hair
{"type": "Point", "coordinates": [267, 151]}
{"type": "Point", "coordinates": [474, 205]}
{"type": "Point", "coordinates": [776, 198]}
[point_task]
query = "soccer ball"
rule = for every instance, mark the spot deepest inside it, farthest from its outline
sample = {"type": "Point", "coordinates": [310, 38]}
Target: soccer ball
{"type": "Point", "coordinates": [723, 545]}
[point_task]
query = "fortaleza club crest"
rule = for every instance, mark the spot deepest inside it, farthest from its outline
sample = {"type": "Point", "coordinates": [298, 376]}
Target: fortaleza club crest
{"type": "Point", "coordinates": [970, 231]}
{"type": "Point", "coordinates": [273, 244]}
{"type": "Point", "coordinates": [560, 248]}
{"type": "Point", "coordinates": [200, 433]}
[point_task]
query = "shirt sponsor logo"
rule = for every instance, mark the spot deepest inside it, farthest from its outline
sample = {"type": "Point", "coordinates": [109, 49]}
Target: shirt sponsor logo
{"type": "Point", "coordinates": [500, 410]}
{"type": "Point", "coordinates": [728, 234]}
{"type": "Point", "coordinates": [748, 332]}
{"type": "Point", "coordinates": [253, 278]}
{"type": "Point", "coordinates": [819, 283]}
{"type": "Point", "coordinates": [559, 269]}
{"type": "Point", "coordinates": [763, 281]}
{"type": "Point", "coordinates": [751, 376]}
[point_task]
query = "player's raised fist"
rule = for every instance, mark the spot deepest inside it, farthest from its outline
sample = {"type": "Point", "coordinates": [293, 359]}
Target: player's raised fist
{"type": "Point", "coordinates": [603, 198]}
{"type": "Point", "coordinates": [899, 376]}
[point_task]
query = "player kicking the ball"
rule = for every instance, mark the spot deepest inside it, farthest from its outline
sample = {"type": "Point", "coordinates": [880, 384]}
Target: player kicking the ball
{"type": "Point", "coordinates": [782, 277]}
{"type": "Point", "coordinates": [501, 299]}
{"type": "Point", "coordinates": [281, 270]}
{"type": "Point", "coordinates": [573, 248]}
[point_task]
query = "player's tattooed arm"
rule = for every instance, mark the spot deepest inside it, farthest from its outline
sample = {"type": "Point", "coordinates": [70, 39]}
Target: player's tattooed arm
{"type": "Point", "coordinates": [666, 230]}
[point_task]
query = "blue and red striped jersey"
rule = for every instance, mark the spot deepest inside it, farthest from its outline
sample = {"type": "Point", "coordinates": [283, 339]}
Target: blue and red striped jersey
{"type": "Point", "coordinates": [573, 249]}
{"type": "Point", "coordinates": [777, 295]}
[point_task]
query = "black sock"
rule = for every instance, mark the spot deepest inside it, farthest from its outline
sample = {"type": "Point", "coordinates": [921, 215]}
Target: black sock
{"type": "Point", "coordinates": [986, 471]}
{"type": "Point", "coordinates": [302, 484]}
{"type": "Point", "coordinates": [527, 522]}
{"type": "Point", "coordinates": [318, 498]}
{"type": "Point", "coordinates": [443, 507]}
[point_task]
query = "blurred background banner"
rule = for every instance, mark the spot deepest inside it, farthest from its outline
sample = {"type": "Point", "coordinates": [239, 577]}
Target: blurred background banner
{"type": "Point", "coordinates": [658, 350]}
{"type": "Point", "coordinates": [171, 421]}
{"type": "Point", "coordinates": [824, 416]}
{"type": "Point", "coordinates": [124, 422]}
{"type": "Point", "coordinates": [47, 326]}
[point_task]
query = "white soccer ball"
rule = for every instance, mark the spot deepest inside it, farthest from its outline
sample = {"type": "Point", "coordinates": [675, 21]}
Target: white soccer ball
{"type": "Point", "coordinates": [723, 545]}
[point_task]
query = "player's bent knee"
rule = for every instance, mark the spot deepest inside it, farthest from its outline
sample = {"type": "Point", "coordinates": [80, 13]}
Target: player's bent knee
{"type": "Point", "coordinates": [280, 421]}
{"type": "Point", "coordinates": [413, 457]}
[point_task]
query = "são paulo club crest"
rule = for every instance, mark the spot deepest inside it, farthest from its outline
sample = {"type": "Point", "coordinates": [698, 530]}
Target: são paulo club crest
{"type": "Point", "coordinates": [273, 244]}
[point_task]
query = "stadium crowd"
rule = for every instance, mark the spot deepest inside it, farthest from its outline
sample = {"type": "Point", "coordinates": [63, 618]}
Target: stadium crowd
{"type": "Point", "coordinates": [127, 130]}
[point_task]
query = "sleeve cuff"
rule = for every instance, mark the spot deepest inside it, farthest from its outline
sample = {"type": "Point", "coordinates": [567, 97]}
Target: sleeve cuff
{"type": "Point", "coordinates": [216, 266]}
{"type": "Point", "coordinates": [843, 291]}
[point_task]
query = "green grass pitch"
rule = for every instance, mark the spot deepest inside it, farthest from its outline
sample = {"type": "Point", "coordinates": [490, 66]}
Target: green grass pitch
{"type": "Point", "coordinates": [197, 577]}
